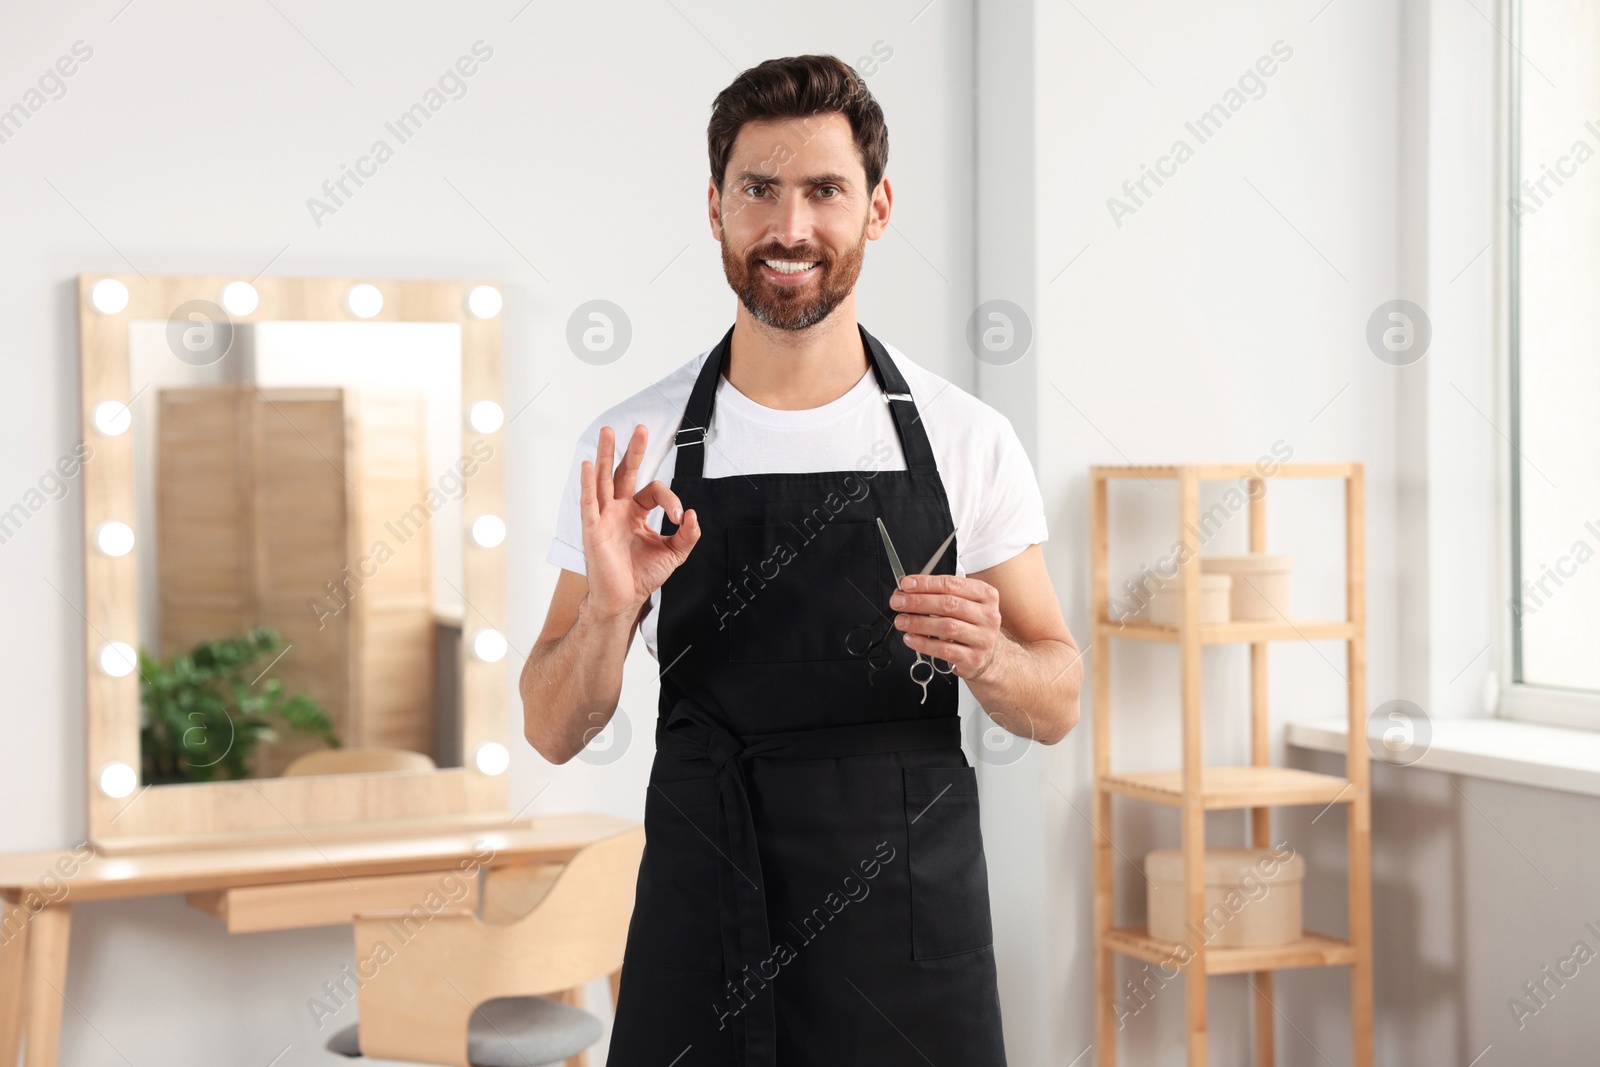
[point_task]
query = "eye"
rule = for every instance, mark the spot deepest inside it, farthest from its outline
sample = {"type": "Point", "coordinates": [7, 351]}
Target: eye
{"type": "Point", "coordinates": [756, 190]}
{"type": "Point", "coordinates": [832, 191]}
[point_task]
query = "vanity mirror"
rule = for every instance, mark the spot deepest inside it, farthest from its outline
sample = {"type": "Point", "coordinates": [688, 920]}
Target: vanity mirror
{"type": "Point", "coordinates": [294, 569]}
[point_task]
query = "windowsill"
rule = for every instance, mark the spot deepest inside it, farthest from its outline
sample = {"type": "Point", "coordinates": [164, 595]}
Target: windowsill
{"type": "Point", "coordinates": [1504, 750]}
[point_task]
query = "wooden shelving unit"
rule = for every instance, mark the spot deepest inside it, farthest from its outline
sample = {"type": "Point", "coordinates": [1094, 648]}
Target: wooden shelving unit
{"type": "Point", "coordinates": [1257, 788]}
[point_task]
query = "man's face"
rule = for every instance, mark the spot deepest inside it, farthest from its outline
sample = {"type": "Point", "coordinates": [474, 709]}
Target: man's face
{"type": "Point", "coordinates": [794, 218]}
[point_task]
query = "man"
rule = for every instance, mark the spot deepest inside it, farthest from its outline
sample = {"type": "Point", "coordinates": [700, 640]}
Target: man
{"type": "Point", "coordinates": [813, 889]}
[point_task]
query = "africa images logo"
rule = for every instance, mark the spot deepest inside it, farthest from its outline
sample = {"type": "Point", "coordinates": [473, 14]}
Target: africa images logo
{"type": "Point", "coordinates": [1202, 128]}
{"type": "Point", "coordinates": [452, 85]}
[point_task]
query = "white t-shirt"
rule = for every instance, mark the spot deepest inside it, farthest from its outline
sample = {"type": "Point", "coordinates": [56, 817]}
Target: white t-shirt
{"type": "Point", "coordinates": [988, 478]}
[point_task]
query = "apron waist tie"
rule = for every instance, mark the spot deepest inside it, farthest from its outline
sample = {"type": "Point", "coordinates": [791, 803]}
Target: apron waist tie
{"type": "Point", "coordinates": [694, 732]}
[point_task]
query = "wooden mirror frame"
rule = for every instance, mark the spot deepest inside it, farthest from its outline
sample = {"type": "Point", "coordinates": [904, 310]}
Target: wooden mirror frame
{"type": "Point", "coordinates": [299, 807]}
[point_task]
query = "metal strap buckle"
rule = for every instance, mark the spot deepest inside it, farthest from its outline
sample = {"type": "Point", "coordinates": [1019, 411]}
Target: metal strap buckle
{"type": "Point", "coordinates": [700, 440]}
{"type": "Point", "coordinates": [895, 396]}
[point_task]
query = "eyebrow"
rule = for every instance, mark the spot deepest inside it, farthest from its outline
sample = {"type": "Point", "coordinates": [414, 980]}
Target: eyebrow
{"type": "Point", "coordinates": [772, 179]}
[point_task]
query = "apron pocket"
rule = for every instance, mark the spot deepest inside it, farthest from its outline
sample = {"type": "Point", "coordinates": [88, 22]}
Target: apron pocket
{"type": "Point", "coordinates": [793, 600]}
{"type": "Point", "coordinates": [949, 879]}
{"type": "Point", "coordinates": [676, 919]}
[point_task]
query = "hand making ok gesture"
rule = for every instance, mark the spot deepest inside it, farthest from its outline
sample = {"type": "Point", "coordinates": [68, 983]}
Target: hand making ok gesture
{"type": "Point", "coordinates": [625, 559]}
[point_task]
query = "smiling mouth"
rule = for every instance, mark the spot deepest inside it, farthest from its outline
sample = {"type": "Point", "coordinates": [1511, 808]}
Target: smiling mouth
{"type": "Point", "coordinates": [789, 266]}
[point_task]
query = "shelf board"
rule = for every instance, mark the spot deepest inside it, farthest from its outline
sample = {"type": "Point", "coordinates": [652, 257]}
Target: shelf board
{"type": "Point", "coordinates": [1309, 950]}
{"type": "Point", "coordinates": [1235, 632]}
{"type": "Point", "coordinates": [1234, 787]}
{"type": "Point", "coordinates": [1228, 472]}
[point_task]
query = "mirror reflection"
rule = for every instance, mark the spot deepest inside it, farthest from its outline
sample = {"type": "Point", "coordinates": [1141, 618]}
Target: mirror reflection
{"type": "Point", "coordinates": [298, 539]}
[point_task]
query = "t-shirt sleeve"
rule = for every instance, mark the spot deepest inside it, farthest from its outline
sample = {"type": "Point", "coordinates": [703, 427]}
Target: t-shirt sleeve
{"type": "Point", "coordinates": [1010, 508]}
{"type": "Point", "coordinates": [566, 547]}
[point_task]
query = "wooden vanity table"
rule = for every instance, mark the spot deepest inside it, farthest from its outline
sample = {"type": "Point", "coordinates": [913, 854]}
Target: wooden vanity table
{"type": "Point", "coordinates": [238, 474]}
{"type": "Point", "coordinates": [249, 887]}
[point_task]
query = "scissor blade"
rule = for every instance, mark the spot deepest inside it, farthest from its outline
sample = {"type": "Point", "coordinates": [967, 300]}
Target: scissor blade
{"type": "Point", "coordinates": [894, 557]}
{"type": "Point", "coordinates": [937, 553]}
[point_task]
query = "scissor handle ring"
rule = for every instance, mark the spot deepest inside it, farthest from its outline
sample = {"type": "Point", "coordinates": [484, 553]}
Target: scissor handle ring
{"type": "Point", "coordinates": [858, 642]}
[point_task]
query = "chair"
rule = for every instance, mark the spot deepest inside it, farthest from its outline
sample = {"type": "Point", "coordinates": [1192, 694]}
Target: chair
{"type": "Point", "coordinates": [357, 761]}
{"type": "Point", "coordinates": [447, 987]}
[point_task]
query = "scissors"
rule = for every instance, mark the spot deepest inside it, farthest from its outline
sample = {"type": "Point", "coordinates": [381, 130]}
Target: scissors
{"type": "Point", "coordinates": [865, 641]}
{"type": "Point", "coordinates": [931, 664]}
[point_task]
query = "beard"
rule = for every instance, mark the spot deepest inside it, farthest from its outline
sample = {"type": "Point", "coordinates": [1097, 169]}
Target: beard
{"type": "Point", "coordinates": [799, 306]}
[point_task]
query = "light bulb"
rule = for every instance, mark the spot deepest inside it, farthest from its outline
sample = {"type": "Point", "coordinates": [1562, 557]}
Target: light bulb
{"type": "Point", "coordinates": [488, 531]}
{"type": "Point", "coordinates": [485, 416]}
{"type": "Point", "coordinates": [118, 659]}
{"type": "Point", "coordinates": [484, 302]}
{"type": "Point", "coordinates": [489, 645]}
{"type": "Point", "coordinates": [117, 780]}
{"type": "Point", "coordinates": [240, 298]}
{"type": "Point", "coordinates": [108, 296]}
{"type": "Point", "coordinates": [112, 418]}
{"type": "Point", "coordinates": [364, 301]}
{"type": "Point", "coordinates": [492, 758]}
{"type": "Point", "coordinates": [114, 538]}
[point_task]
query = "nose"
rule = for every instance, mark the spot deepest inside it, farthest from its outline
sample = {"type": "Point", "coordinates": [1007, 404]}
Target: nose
{"type": "Point", "coordinates": [792, 225]}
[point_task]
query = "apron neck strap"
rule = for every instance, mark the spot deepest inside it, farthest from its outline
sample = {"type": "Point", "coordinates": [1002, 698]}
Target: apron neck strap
{"type": "Point", "coordinates": [691, 436]}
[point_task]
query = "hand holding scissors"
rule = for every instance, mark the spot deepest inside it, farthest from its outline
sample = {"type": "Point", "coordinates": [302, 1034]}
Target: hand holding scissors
{"type": "Point", "coordinates": [928, 663]}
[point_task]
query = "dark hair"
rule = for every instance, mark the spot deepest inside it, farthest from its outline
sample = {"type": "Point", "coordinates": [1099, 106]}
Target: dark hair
{"type": "Point", "coordinates": [798, 87]}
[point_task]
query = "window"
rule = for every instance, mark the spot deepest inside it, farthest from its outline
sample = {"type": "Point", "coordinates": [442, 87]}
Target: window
{"type": "Point", "coordinates": [1554, 295]}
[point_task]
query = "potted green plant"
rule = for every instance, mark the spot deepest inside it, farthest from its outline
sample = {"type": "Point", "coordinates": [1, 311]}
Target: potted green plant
{"type": "Point", "coordinates": [207, 709]}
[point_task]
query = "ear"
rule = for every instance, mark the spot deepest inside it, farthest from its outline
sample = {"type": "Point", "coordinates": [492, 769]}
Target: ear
{"type": "Point", "coordinates": [878, 210]}
{"type": "Point", "coordinates": [714, 209]}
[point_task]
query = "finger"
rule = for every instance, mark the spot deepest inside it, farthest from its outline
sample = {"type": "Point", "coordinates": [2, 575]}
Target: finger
{"type": "Point", "coordinates": [604, 462]}
{"type": "Point", "coordinates": [588, 502]}
{"type": "Point", "coordinates": [951, 605]}
{"type": "Point", "coordinates": [686, 537]}
{"type": "Point", "coordinates": [961, 657]}
{"type": "Point", "coordinates": [628, 473]}
{"type": "Point", "coordinates": [945, 629]}
{"type": "Point", "coordinates": [970, 588]}
{"type": "Point", "coordinates": [658, 495]}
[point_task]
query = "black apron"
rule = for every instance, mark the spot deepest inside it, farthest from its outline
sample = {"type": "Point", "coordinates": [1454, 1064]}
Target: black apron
{"type": "Point", "coordinates": [813, 891]}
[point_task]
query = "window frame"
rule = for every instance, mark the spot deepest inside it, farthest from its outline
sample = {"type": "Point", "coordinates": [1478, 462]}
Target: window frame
{"type": "Point", "coordinates": [1518, 700]}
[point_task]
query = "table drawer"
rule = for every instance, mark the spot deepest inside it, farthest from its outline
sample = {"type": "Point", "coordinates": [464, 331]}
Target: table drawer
{"type": "Point", "coordinates": [333, 901]}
